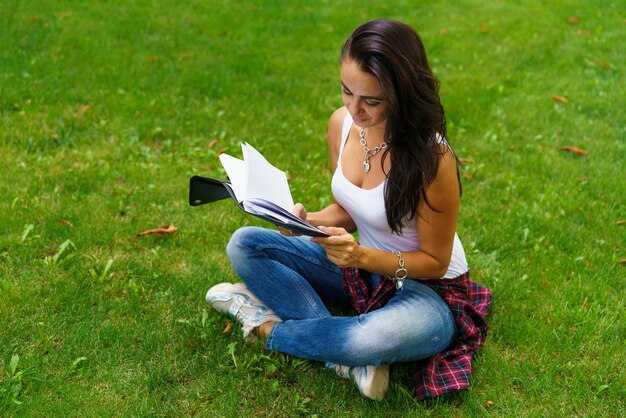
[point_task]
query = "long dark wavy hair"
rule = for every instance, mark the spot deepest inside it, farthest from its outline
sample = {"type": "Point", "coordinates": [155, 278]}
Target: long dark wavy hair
{"type": "Point", "coordinates": [393, 52]}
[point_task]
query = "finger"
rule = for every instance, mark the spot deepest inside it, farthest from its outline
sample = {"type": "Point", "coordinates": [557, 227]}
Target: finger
{"type": "Point", "coordinates": [332, 230]}
{"type": "Point", "coordinates": [340, 241]}
{"type": "Point", "coordinates": [284, 231]}
{"type": "Point", "coordinates": [299, 211]}
{"type": "Point", "coordinates": [287, 232]}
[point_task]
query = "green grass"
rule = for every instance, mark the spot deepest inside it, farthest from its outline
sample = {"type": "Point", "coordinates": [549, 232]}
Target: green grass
{"type": "Point", "coordinates": [107, 108]}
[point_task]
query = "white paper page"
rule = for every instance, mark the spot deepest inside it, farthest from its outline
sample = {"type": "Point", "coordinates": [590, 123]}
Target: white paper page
{"type": "Point", "coordinates": [253, 206]}
{"type": "Point", "coordinates": [265, 181]}
{"type": "Point", "coordinates": [268, 208]}
{"type": "Point", "coordinates": [235, 169]}
{"type": "Point", "coordinates": [287, 218]}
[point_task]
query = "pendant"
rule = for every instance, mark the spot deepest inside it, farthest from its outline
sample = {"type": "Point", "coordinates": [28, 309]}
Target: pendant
{"type": "Point", "coordinates": [366, 165]}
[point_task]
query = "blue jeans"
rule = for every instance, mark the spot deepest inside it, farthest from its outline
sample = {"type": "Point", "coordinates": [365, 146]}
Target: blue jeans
{"type": "Point", "coordinates": [294, 278]}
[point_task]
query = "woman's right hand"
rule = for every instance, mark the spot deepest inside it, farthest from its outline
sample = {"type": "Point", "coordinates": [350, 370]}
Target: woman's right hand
{"type": "Point", "coordinates": [300, 212]}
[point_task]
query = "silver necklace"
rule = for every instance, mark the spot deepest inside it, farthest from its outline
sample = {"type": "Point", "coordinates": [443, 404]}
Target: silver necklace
{"type": "Point", "coordinates": [369, 152]}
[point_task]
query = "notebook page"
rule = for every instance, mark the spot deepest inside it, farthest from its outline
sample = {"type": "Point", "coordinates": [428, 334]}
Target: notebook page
{"type": "Point", "coordinates": [235, 169]}
{"type": "Point", "coordinates": [265, 181]}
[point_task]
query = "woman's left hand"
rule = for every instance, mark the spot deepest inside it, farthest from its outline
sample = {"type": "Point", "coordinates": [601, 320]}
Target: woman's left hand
{"type": "Point", "coordinates": [341, 248]}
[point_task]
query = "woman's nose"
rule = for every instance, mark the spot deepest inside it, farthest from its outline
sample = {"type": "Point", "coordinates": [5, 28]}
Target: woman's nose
{"type": "Point", "coordinates": [355, 105]}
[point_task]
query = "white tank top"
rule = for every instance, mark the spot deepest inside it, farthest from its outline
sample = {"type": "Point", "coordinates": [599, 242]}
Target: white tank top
{"type": "Point", "coordinates": [366, 207]}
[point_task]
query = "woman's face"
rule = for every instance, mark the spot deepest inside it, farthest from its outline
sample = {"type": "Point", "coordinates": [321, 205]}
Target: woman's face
{"type": "Point", "coordinates": [362, 95]}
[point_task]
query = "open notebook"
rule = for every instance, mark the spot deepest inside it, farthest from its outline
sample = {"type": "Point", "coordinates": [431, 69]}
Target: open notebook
{"type": "Point", "coordinates": [256, 186]}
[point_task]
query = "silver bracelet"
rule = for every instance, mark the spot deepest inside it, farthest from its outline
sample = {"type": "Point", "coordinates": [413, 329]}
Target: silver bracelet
{"type": "Point", "coordinates": [402, 272]}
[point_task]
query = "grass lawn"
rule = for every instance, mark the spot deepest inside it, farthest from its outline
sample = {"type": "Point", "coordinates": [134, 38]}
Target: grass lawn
{"type": "Point", "coordinates": [108, 107]}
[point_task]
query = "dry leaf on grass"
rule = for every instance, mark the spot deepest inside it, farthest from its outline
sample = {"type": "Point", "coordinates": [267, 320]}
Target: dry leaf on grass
{"type": "Point", "coordinates": [82, 110]}
{"type": "Point", "coordinates": [166, 229]}
{"type": "Point", "coordinates": [584, 32]}
{"type": "Point", "coordinates": [559, 98]}
{"type": "Point", "coordinates": [488, 404]}
{"type": "Point", "coordinates": [228, 327]}
{"type": "Point", "coordinates": [622, 261]}
{"type": "Point", "coordinates": [575, 150]}
{"type": "Point", "coordinates": [65, 222]}
{"type": "Point", "coordinates": [573, 20]}
{"type": "Point", "coordinates": [622, 222]}
{"type": "Point", "coordinates": [213, 143]}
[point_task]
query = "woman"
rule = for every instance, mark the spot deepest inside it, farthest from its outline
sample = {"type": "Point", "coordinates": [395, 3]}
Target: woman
{"type": "Point", "coordinates": [396, 182]}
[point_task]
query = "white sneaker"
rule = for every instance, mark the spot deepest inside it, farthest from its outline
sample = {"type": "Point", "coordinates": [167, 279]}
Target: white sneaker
{"type": "Point", "coordinates": [372, 381]}
{"type": "Point", "coordinates": [235, 300]}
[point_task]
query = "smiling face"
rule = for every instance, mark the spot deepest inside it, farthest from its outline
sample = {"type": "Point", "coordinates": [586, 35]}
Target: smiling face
{"type": "Point", "coordinates": [362, 95]}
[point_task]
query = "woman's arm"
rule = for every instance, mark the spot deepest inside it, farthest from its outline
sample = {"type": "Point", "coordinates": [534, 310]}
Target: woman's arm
{"type": "Point", "coordinates": [435, 230]}
{"type": "Point", "coordinates": [333, 214]}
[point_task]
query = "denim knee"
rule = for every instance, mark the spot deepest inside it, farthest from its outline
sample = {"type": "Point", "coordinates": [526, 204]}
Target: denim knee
{"type": "Point", "coordinates": [242, 239]}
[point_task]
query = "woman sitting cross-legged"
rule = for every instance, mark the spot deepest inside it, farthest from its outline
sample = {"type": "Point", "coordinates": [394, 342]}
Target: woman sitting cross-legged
{"type": "Point", "coordinates": [395, 181]}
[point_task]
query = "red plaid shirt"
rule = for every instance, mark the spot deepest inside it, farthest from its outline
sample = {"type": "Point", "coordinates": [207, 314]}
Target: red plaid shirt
{"type": "Point", "coordinates": [469, 301]}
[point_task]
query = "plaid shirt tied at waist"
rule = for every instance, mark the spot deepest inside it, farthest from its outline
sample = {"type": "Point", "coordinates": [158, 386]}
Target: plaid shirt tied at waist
{"type": "Point", "coordinates": [468, 301]}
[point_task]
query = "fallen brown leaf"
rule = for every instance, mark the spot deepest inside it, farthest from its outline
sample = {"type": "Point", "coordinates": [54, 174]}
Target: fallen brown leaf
{"type": "Point", "coordinates": [467, 160]}
{"type": "Point", "coordinates": [153, 59]}
{"type": "Point", "coordinates": [559, 99]}
{"type": "Point", "coordinates": [622, 222]}
{"type": "Point", "coordinates": [82, 110]}
{"type": "Point", "coordinates": [575, 150]}
{"type": "Point", "coordinates": [213, 143]}
{"type": "Point", "coordinates": [223, 150]}
{"type": "Point", "coordinates": [443, 31]}
{"type": "Point", "coordinates": [603, 64]}
{"type": "Point", "coordinates": [584, 32]}
{"type": "Point", "coordinates": [622, 261]}
{"type": "Point", "coordinates": [228, 327]}
{"type": "Point", "coordinates": [185, 55]}
{"type": "Point", "coordinates": [65, 222]}
{"type": "Point", "coordinates": [166, 229]}
{"type": "Point", "coordinates": [55, 136]}
{"type": "Point", "coordinates": [469, 176]}
{"type": "Point", "coordinates": [488, 404]}
{"type": "Point", "coordinates": [573, 20]}
{"type": "Point", "coordinates": [581, 179]}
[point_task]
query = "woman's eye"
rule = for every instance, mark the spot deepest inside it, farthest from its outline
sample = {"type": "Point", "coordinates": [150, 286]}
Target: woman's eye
{"type": "Point", "coordinates": [347, 92]}
{"type": "Point", "coordinates": [372, 103]}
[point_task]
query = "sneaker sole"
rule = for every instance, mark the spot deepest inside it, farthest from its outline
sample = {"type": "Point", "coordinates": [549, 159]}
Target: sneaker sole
{"type": "Point", "coordinates": [376, 386]}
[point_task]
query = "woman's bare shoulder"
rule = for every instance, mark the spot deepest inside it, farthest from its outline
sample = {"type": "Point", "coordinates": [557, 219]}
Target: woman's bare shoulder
{"type": "Point", "coordinates": [336, 121]}
{"type": "Point", "coordinates": [335, 125]}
